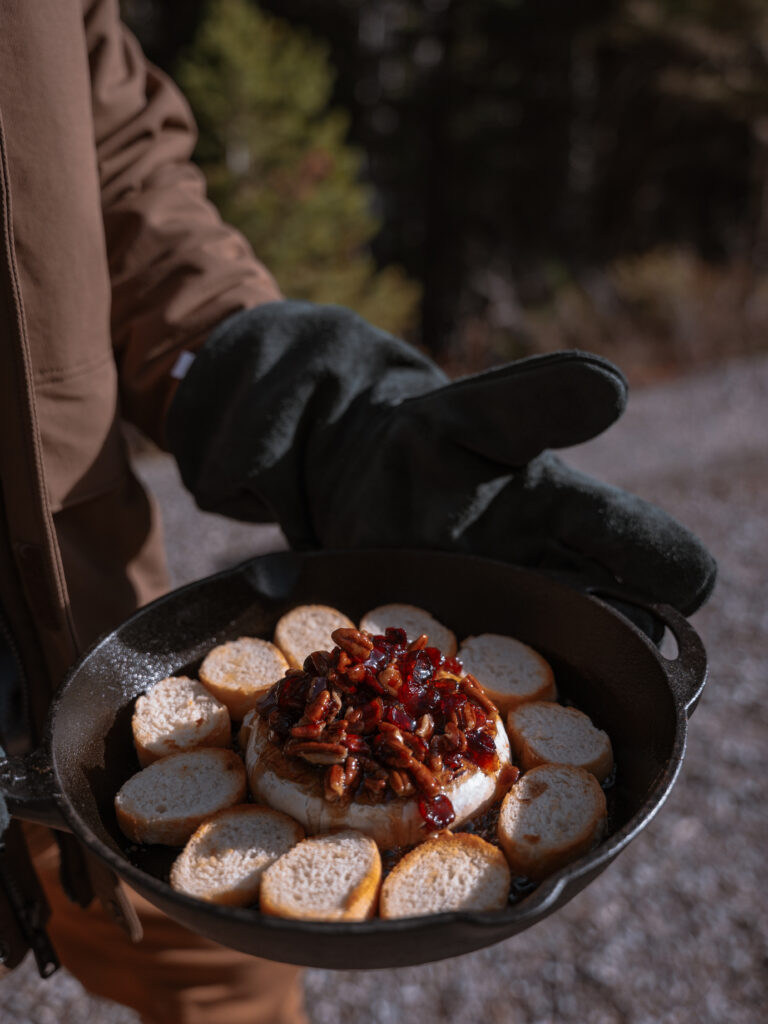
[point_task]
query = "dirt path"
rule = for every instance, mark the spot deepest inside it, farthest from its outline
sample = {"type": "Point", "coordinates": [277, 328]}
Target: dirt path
{"type": "Point", "coordinates": [676, 931]}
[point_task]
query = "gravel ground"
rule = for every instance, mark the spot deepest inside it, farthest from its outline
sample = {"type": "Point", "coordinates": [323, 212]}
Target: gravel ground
{"type": "Point", "coordinates": [676, 931]}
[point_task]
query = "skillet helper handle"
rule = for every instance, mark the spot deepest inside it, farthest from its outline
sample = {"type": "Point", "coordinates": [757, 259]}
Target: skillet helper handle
{"type": "Point", "coordinates": [27, 786]}
{"type": "Point", "coordinates": [687, 673]}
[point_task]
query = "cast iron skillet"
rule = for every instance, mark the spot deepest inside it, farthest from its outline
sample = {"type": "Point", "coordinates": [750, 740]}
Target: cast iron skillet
{"type": "Point", "coordinates": [602, 662]}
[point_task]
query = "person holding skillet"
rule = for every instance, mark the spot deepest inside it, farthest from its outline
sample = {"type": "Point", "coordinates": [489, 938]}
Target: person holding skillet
{"type": "Point", "coordinates": [123, 296]}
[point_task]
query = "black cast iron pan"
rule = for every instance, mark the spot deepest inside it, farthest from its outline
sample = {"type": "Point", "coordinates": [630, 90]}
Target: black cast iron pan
{"type": "Point", "coordinates": [603, 663]}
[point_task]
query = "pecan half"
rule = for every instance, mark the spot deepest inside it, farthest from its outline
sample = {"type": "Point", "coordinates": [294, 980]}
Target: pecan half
{"type": "Point", "coordinates": [352, 642]}
{"type": "Point", "coordinates": [423, 778]}
{"type": "Point", "coordinates": [391, 679]}
{"type": "Point", "coordinates": [308, 730]}
{"type": "Point", "coordinates": [318, 753]}
{"type": "Point", "coordinates": [474, 690]}
{"type": "Point", "coordinates": [395, 754]}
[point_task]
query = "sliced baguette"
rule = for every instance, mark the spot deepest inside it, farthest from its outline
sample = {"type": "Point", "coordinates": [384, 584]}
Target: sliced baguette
{"type": "Point", "coordinates": [552, 815]}
{"type": "Point", "coordinates": [283, 783]}
{"type": "Point", "coordinates": [414, 621]}
{"type": "Point", "coordinates": [226, 856]}
{"type": "Point", "coordinates": [451, 872]}
{"type": "Point", "coordinates": [165, 802]}
{"type": "Point", "coordinates": [333, 877]}
{"type": "Point", "coordinates": [239, 672]}
{"type": "Point", "coordinates": [545, 733]}
{"type": "Point", "coordinates": [178, 713]}
{"type": "Point", "coordinates": [308, 628]}
{"type": "Point", "coordinates": [511, 672]}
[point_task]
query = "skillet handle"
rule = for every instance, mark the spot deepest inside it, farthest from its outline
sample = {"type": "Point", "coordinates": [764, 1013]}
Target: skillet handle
{"type": "Point", "coordinates": [27, 787]}
{"type": "Point", "coordinates": [687, 673]}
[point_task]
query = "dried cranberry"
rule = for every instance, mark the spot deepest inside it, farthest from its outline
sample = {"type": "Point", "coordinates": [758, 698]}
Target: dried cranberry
{"type": "Point", "coordinates": [377, 659]}
{"type": "Point", "coordinates": [453, 761]}
{"type": "Point", "coordinates": [481, 749]}
{"type": "Point", "coordinates": [292, 693]}
{"type": "Point", "coordinates": [395, 714]}
{"type": "Point", "coordinates": [452, 702]}
{"type": "Point", "coordinates": [356, 744]}
{"type": "Point", "coordinates": [373, 712]}
{"type": "Point", "coordinates": [453, 665]}
{"type": "Point", "coordinates": [435, 656]}
{"type": "Point", "coordinates": [417, 666]}
{"type": "Point", "coordinates": [437, 812]}
{"type": "Point", "coordinates": [396, 636]}
{"type": "Point", "coordinates": [411, 696]}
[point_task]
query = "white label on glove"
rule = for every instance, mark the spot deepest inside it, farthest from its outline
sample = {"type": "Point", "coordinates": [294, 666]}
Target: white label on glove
{"type": "Point", "coordinates": [182, 364]}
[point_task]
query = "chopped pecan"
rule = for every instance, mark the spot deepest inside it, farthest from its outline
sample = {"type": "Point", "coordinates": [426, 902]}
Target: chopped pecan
{"type": "Point", "coordinates": [419, 643]}
{"type": "Point", "coordinates": [391, 679]}
{"type": "Point", "coordinates": [352, 773]}
{"type": "Point", "coordinates": [308, 730]}
{"type": "Point", "coordinates": [317, 753]}
{"type": "Point", "coordinates": [425, 726]}
{"type": "Point", "coordinates": [336, 732]}
{"type": "Point", "coordinates": [457, 741]}
{"type": "Point", "coordinates": [474, 690]}
{"type": "Point", "coordinates": [395, 754]}
{"type": "Point", "coordinates": [400, 783]}
{"type": "Point", "coordinates": [334, 783]}
{"type": "Point", "coordinates": [416, 744]}
{"type": "Point", "coordinates": [375, 787]}
{"type": "Point", "coordinates": [353, 643]}
{"type": "Point", "coordinates": [317, 708]}
{"type": "Point", "coordinates": [356, 673]}
{"type": "Point", "coordinates": [423, 778]}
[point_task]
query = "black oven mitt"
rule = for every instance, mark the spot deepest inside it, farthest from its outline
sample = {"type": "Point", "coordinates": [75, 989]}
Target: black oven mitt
{"type": "Point", "coordinates": [348, 437]}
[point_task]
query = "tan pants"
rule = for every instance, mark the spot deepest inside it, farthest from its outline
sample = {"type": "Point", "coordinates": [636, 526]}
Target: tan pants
{"type": "Point", "coordinates": [172, 976]}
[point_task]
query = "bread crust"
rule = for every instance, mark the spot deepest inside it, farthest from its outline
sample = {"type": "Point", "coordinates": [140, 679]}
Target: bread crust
{"type": "Point", "coordinates": [465, 853]}
{"type": "Point", "coordinates": [532, 853]}
{"type": "Point", "coordinates": [272, 778]}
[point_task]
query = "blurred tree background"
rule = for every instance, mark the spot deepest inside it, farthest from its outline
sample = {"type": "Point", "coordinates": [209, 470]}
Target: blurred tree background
{"type": "Point", "coordinates": [493, 178]}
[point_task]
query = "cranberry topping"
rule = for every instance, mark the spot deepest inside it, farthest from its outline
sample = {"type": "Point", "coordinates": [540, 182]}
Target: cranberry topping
{"type": "Point", "coordinates": [400, 716]}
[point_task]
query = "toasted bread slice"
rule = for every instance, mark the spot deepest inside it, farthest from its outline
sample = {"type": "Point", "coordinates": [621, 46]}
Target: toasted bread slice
{"type": "Point", "coordinates": [414, 621]}
{"type": "Point", "coordinates": [239, 672]}
{"type": "Point", "coordinates": [308, 628]}
{"type": "Point", "coordinates": [178, 713]}
{"type": "Point", "coordinates": [226, 856]}
{"type": "Point", "coordinates": [282, 783]}
{"type": "Point", "coordinates": [511, 672]}
{"type": "Point", "coordinates": [546, 733]}
{"type": "Point", "coordinates": [552, 815]}
{"type": "Point", "coordinates": [334, 877]}
{"type": "Point", "coordinates": [166, 801]}
{"type": "Point", "coordinates": [450, 872]}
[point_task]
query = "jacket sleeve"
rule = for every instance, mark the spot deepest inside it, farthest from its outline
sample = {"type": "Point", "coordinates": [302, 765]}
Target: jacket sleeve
{"type": "Point", "coordinates": [176, 269]}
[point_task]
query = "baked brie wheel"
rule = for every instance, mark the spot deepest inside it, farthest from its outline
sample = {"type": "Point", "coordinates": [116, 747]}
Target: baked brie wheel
{"type": "Point", "coordinates": [381, 736]}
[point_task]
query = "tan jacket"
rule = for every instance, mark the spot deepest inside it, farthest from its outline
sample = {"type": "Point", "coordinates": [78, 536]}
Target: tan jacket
{"type": "Point", "coordinates": [111, 263]}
